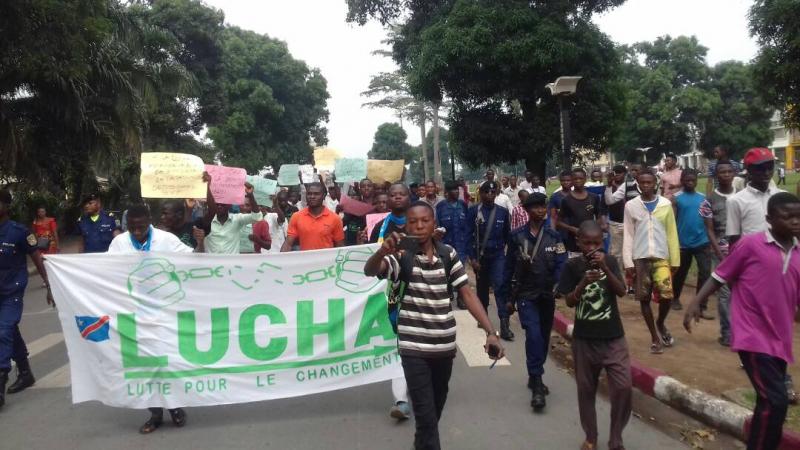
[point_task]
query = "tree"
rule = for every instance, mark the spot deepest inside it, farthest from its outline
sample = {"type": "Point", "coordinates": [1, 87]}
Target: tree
{"type": "Point", "coordinates": [390, 143]}
{"type": "Point", "coordinates": [677, 103]}
{"type": "Point", "coordinates": [416, 162]}
{"type": "Point", "coordinates": [493, 60]}
{"type": "Point", "coordinates": [393, 92]}
{"type": "Point", "coordinates": [777, 67]}
{"type": "Point", "coordinates": [275, 106]}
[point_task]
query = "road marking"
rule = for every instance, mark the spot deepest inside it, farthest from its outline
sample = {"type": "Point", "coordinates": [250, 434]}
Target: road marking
{"type": "Point", "coordinates": [470, 340]}
{"type": "Point", "coordinates": [42, 344]}
{"type": "Point", "coordinates": [59, 378]}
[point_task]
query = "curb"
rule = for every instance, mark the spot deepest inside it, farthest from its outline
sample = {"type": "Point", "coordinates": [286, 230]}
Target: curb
{"type": "Point", "coordinates": [727, 416]}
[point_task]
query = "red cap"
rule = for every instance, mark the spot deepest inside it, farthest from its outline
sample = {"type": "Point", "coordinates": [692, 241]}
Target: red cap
{"type": "Point", "coordinates": [758, 155]}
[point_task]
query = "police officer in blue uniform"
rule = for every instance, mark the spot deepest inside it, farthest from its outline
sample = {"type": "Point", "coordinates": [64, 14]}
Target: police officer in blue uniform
{"type": "Point", "coordinates": [16, 242]}
{"type": "Point", "coordinates": [451, 214]}
{"type": "Point", "coordinates": [489, 228]}
{"type": "Point", "coordinates": [97, 227]}
{"type": "Point", "coordinates": [535, 257]}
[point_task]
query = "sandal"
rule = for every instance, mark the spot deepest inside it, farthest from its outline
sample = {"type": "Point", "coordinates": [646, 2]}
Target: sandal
{"type": "Point", "coordinates": [151, 425]}
{"type": "Point", "coordinates": [178, 416]}
{"type": "Point", "coordinates": [655, 348]}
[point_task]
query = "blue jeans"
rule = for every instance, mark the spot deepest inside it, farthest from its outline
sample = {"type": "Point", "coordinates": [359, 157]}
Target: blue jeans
{"type": "Point", "coordinates": [11, 344]}
{"type": "Point", "coordinates": [723, 304]}
{"type": "Point", "coordinates": [491, 274]}
{"type": "Point", "coordinates": [536, 317]}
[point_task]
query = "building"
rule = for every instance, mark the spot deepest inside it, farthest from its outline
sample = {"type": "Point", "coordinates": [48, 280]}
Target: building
{"type": "Point", "coordinates": [784, 142]}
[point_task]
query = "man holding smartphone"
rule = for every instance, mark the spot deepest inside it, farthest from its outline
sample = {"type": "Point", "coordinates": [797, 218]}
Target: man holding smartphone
{"type": "Point", "coordinates": [426, 327]}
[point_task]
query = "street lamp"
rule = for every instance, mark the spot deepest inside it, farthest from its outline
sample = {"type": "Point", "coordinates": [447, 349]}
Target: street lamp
{"type": "Point", "coordinates": [562, 88]}
{"type": "Point", "coordinates": [644, 152]}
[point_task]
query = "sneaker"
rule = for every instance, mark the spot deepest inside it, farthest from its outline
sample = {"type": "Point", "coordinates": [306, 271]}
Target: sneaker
{"type": "Point", "coordinates": [400, 411]}
{"type": "Point", "coordinates": [723, 341]}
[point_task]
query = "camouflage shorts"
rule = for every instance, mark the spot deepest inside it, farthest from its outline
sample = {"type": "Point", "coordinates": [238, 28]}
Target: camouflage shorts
{"type": "Point", "coordinates": [653, 276]}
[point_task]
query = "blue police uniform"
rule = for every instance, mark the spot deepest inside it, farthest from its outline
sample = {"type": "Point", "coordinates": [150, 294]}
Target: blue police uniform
{"type": "Point", "coordinates": [492, 257]}
{"type": "Point", "coordinates": [97, 235]}
{"type": "Point", "coordinates": [453, 217]}
{"type": "Point", "coordinates": [534, 277]}
{"type": "Point", "coordinates": [16, 243]}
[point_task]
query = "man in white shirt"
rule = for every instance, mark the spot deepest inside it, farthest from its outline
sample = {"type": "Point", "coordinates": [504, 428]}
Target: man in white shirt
{"type": "Point", "coordinates": [225, 228]}
{"type": "Point", "coordinates": [747, 209]}
{"type": "Point", "coordinates": [512, 191]}
{"type": "Point", "coordinates": [143, 237]}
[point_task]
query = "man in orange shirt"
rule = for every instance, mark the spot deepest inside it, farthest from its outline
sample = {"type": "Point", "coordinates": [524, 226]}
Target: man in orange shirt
{"type": "Point", "coordinates": [315, 226]}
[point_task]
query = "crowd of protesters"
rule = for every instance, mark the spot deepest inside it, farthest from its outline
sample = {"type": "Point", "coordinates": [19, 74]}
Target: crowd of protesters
{"type": "Point", "coordinates": [637, 233]}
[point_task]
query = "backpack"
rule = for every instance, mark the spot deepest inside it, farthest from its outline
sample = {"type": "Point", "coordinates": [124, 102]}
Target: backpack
{"type": "Point", "coordinates": [395, 292]}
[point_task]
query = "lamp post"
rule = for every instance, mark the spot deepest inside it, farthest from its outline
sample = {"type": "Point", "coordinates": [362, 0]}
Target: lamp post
{"type": "Point", "coordinates": [562, 88]}
{"type": "Point", "coordinates": [644, 153]}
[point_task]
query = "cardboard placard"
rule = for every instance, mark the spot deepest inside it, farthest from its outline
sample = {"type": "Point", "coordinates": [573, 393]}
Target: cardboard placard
{"type": "Point", "coordinates": [351, 169]}
{"type": "Point", "coordinates": [172, 175]}
{"type": "Point", "coordinates": [307, 174]}
{"type": "Point", "coordinates": [263, 189]}
{"type": "Point", "coordinates": [227, 184]}
{"type": "Point", "coordinates": [374, 219]}
{"type": "Point", "coordinates": [382, 170]}
{"type": "Point", "coordinates": [325, 158]}
{"type": "Point", "coordinates": [287, 175]}
{"type": "Point", "coordinates": [355, 207]}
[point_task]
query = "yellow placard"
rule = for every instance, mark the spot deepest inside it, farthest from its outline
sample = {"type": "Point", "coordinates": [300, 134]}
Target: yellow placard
{"type": "Point", "coordinates": [381, 170]}
{"type": "Point", "coordinates": [172, 175]}
{"type": "Point", "coordinates": [325, 158]}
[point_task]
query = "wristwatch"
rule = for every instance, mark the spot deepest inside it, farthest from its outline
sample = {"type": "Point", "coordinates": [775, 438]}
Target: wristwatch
{"type": "Point", "coordinates": [494, 333]}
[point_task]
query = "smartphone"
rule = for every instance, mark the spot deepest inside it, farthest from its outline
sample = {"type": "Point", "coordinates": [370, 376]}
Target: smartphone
{"type": "Point", "coordinates": [409, 244]}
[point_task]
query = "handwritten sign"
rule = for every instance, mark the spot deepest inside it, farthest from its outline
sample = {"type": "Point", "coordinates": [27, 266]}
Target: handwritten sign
{"type": "Point", "coordinates": [355, 207]}
{"type": "Point", "coordinates": [172, 175]}
{"type": "Point", "coordinates": [374, 219]}
{"type": "Point", "coordinates": [350, 169]}
{"type": "Point", "coordinates": [287, 175]}
{"type": "Point", "coordinates": [307, 173]}
{"type": "Point", "coordinates": [227, 184]}
{"type": "Point", "coordinates": [263, 189]}
{"type": "Point", "coordinates": [381, 170]}
{"type": "Point", "coordinates": [325, 158]}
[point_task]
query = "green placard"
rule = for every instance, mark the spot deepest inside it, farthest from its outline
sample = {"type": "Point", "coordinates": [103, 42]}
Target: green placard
{"type": "Point", "coordinates": [287, 176]}
{"type": "Point", "coordinates": [350, 169]}
{"type": "Point", "coordinates": [263, 189]}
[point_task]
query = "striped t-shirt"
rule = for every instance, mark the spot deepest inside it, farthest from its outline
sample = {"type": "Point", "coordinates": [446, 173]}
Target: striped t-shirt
{"type": "Point", "coordinates": [425, 325]}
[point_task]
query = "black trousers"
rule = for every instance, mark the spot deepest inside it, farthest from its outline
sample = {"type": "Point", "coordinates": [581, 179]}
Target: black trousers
{"type": "Point", "coordinates": [703, 257]}
{"type": "Point", "coordinates": [767, 374]}
{"type": "Point", "coordinates": [427, 380]}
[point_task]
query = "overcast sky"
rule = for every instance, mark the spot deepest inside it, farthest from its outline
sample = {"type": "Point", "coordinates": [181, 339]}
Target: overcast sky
{"type": "Point", "coordinates": [317, 33]}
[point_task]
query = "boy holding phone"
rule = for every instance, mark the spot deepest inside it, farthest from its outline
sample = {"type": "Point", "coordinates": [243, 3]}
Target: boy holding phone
{"type": "Point", "coordinates": [427, 342]}
{"type": "Point", "coordinates": [591, 285]}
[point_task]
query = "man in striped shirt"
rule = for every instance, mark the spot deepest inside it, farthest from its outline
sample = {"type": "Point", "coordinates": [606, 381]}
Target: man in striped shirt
{"type": "Point", "coordinates": [426, 327]}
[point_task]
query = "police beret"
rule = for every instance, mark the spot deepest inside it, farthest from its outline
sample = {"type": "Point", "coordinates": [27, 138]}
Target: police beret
{"type": "Point", "coordinates": [90, 197]}
{"type": "Point", "coordinates": [488, 186]}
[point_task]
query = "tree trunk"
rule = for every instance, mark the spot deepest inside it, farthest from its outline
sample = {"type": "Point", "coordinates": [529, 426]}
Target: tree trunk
{"type": "Point", "coordinates": [425, 170]}
{"type": "Point", "coordinates": [437, 156]}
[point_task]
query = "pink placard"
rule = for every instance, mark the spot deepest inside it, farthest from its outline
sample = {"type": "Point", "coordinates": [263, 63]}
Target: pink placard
{"type": "Point", "coordinates": [355, 207]}
{"type": "Point", "coordinates": [227, 184]}
{"type": "Point", "coordinates": [372, 220]}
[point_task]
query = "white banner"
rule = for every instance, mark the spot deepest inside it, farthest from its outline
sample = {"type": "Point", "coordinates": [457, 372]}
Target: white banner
{"type": "Point", "coordinates": [170, 330]}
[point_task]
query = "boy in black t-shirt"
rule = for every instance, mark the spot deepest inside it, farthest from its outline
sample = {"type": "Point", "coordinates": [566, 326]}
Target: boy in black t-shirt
{"type": "Point", "coordinates": [578, 206]}
{"type": "Point", "coordinates": [591, 284]}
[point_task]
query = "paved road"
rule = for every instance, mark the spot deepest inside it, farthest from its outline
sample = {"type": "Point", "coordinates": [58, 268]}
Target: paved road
{"type": "Point", "coordinates": [486, 409]}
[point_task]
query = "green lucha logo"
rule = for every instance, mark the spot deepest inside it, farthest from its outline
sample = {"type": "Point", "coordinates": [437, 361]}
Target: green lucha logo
{"type": "Point", "coordinates": [350, 271]}
{"type": "Point", "coordinates": [154, 283]}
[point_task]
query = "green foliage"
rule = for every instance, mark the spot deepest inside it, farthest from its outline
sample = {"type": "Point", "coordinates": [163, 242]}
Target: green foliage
{"type": "Point", "coordinates": [275, 104]}
{"type": "Point", "coordinates": [775, 25]}
{"type": "Point", "coordinates": [493, 60]}
{"type": "Point", "coordinates": [676, 102]}
{"type": "Point", "coordinates": [390, 143]}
